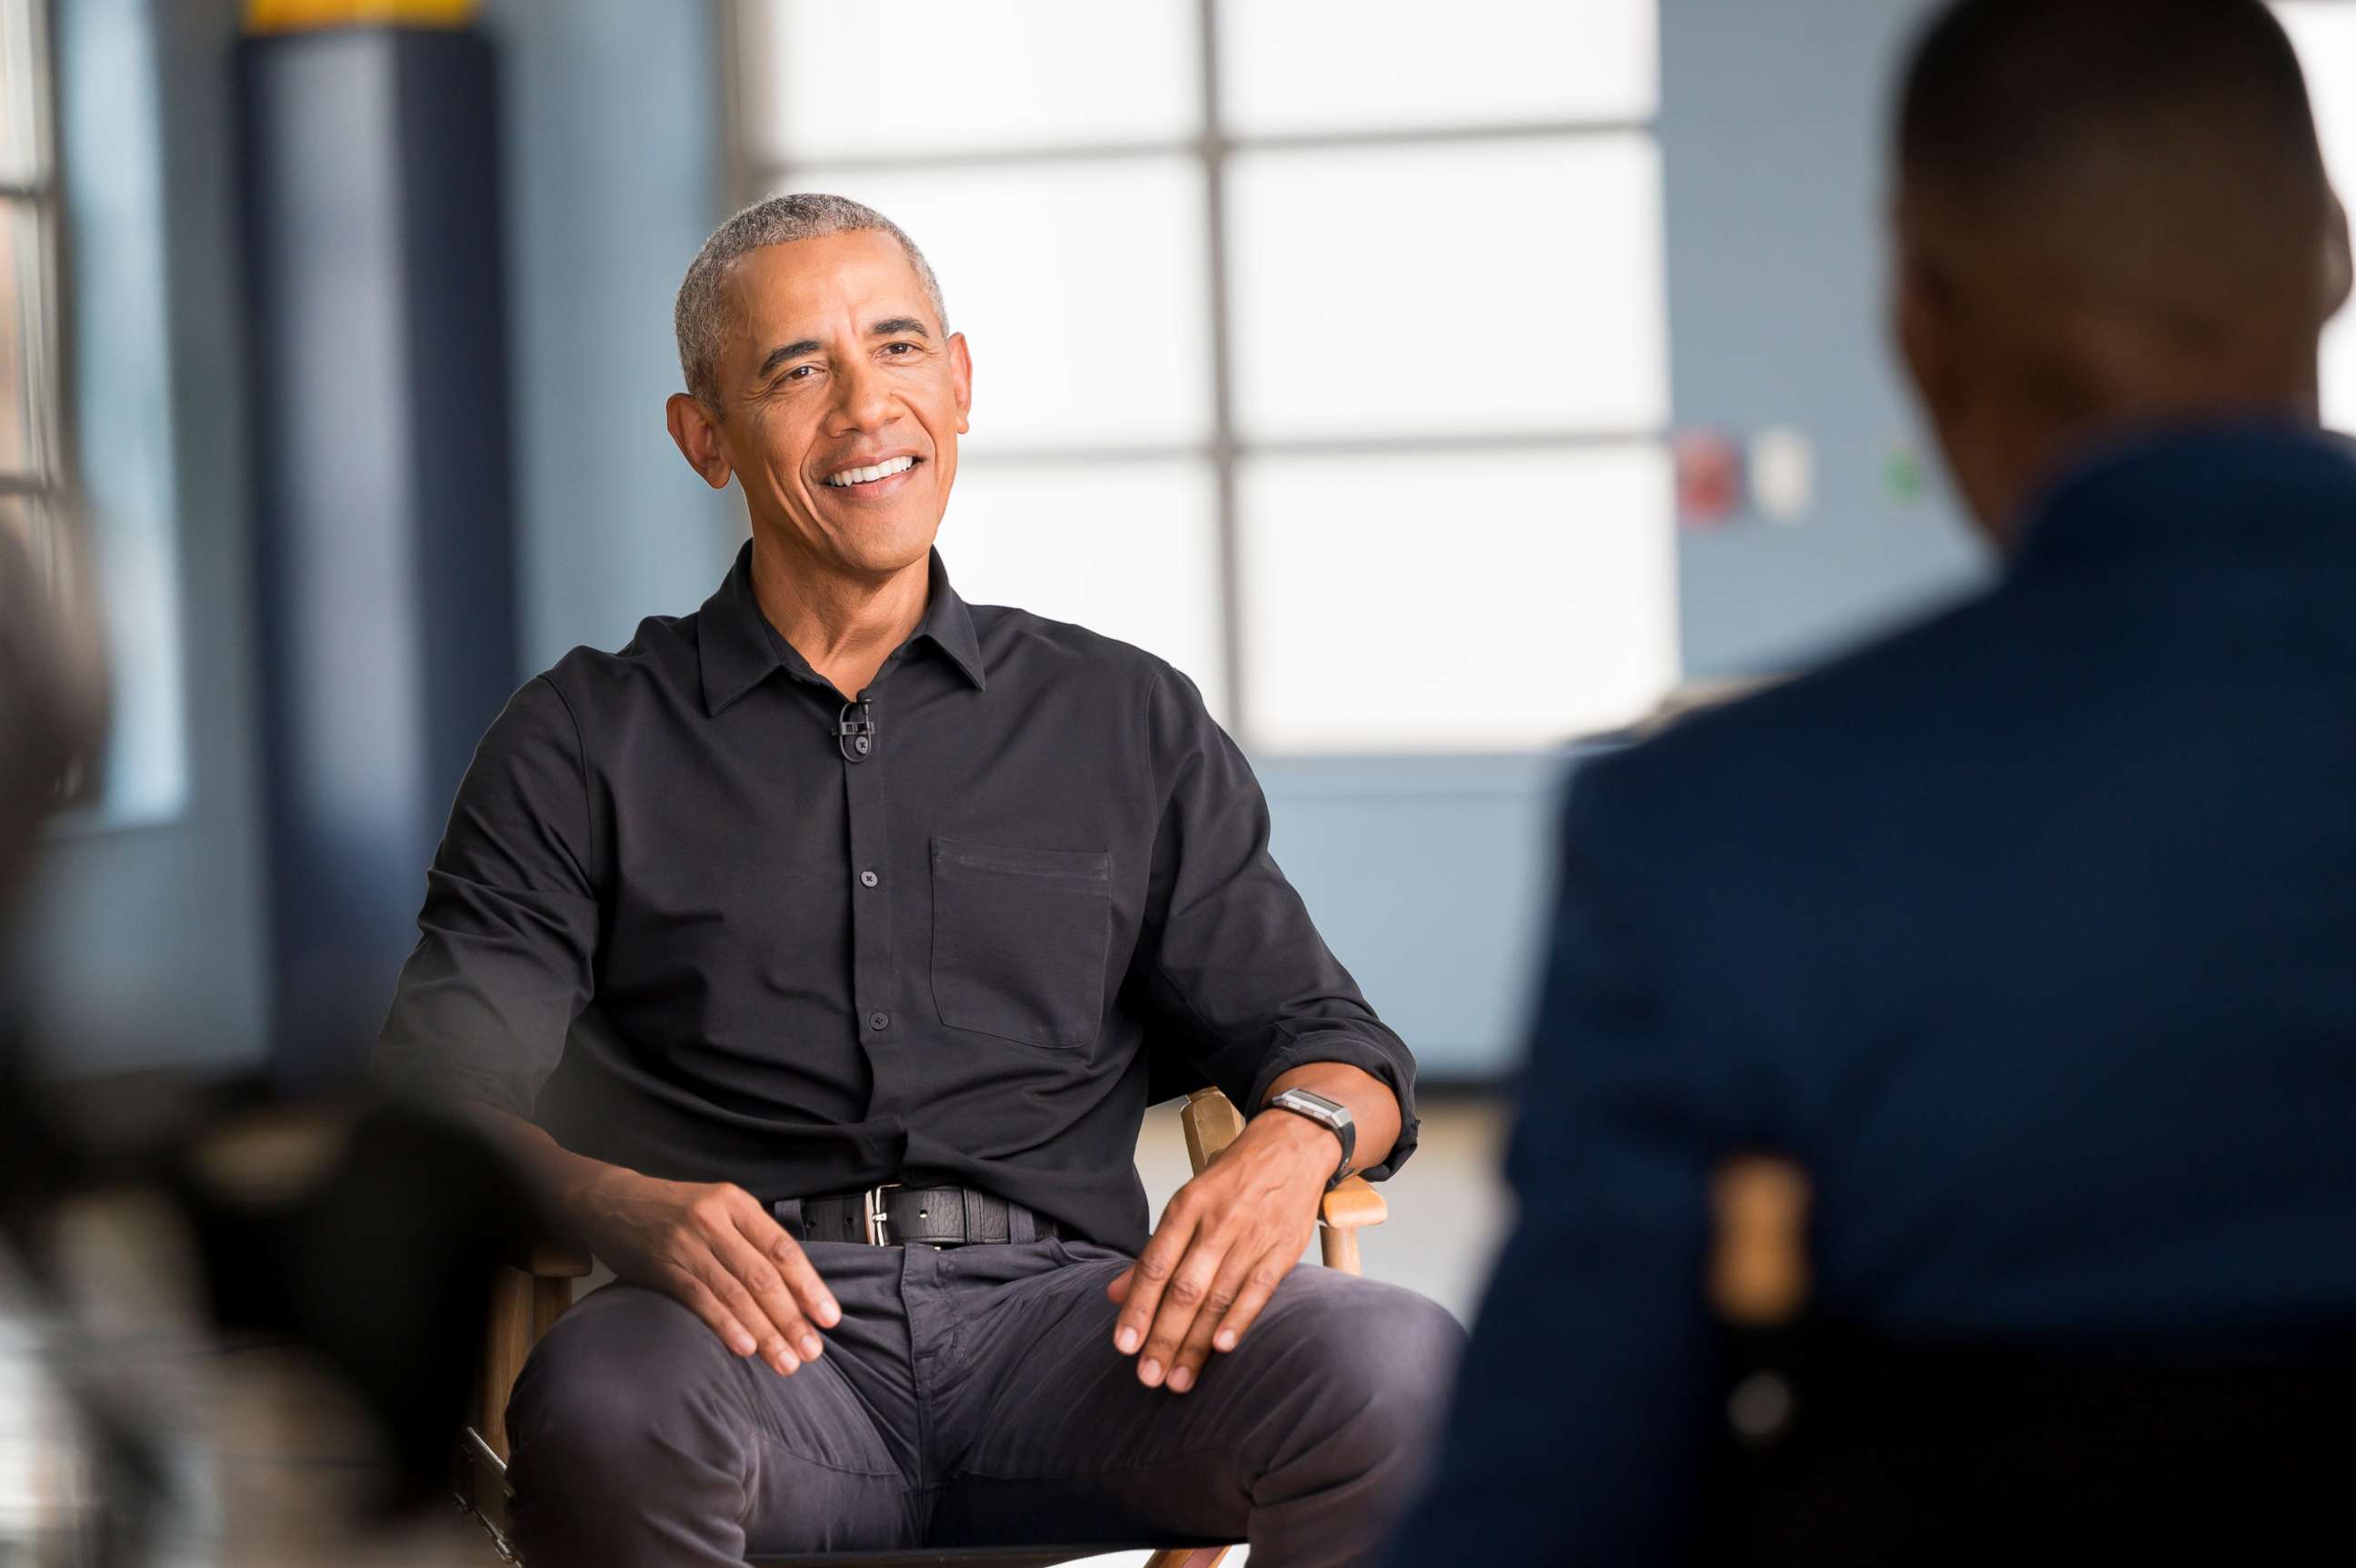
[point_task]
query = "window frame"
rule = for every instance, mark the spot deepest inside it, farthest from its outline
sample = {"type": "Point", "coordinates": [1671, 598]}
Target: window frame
{"type": "Point", "coordinates": [34, 205]}
{"type": "Point", "coordinates": [752, 175]}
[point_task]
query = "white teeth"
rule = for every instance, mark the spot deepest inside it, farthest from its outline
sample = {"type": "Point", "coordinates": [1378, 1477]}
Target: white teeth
{"type": "Point", "coordinates": [868, 476]}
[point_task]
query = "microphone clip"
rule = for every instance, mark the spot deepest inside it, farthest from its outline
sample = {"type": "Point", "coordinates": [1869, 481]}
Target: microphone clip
{"type": "Point", "coordinates": [855, 737]}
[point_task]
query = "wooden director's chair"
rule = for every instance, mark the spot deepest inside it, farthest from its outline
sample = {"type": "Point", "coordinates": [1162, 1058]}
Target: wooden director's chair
{"type": "Point", "coordinates": [528, 1298]}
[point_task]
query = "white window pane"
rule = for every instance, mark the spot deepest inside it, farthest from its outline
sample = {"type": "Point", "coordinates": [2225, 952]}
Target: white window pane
{"type": "Point", "coordinates": [1079, 287]}
{"type": "Point", "coordinates": [20, 299]}
{"type": "Point", "coordinates": [1476, 601]}
{"type": "Point", "coordinates": [22, 90]}
{"type": "Point", "coordinates": [1318, 65]}
{"type": "Point", "coordinates": [1467, 289]}
{"type": "Point", "coordinates": [1127, 549]}
{"type": "Point", "coordinates": [2325, 34]}
{"type": "Point", "coordinates": [848, 77]}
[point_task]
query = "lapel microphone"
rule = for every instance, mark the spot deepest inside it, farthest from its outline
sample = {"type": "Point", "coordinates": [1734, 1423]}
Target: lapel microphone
{"type": "Point", "coordinates": [855, 737]}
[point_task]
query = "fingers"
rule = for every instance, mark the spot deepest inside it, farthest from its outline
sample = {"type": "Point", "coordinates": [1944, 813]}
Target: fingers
{"type": "Point", "coordinates": [787, 1338]}
{"type": "Point", "coordinates": [778, 1343]}
{"type": "Point", "coordinates": [1183, 1300]}
{"type": "Point", "coordinates": [1148, 1277]}
{"type": "Point", "coordinates": [801, 1277]}
{"type": "Point", "coordinates": [691, 1293]}
{"type": "Point", "coordinates": [1241, 1266]}
{"type": "Point", "coordinates": [736, 1269]}
{"type": "Point", "coordinates": [1259, 1282]}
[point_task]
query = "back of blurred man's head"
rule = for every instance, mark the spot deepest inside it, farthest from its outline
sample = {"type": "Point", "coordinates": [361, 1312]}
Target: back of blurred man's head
{"type": "Point", "coordinates": [2110, 214]}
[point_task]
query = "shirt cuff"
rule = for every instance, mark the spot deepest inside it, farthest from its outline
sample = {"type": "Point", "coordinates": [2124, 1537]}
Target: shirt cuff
{"type": "Point", "coordinates": [1350, 1050]}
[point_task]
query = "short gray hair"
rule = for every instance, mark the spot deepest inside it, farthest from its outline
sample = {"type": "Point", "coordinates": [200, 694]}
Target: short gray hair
{"type": "Point", "coordinates": [701, 316]}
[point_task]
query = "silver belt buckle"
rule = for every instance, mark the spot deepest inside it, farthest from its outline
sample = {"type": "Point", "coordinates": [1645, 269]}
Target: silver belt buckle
{"type": "Point", "coordinates": [878, 1221]}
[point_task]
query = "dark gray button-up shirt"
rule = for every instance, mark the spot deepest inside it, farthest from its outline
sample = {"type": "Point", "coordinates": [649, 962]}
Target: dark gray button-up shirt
{"type": "Point", "coordinates": [688, 918]}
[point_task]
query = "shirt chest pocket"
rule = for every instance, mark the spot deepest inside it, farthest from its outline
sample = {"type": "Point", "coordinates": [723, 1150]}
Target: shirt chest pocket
{"type": "Point", "coordinates": [1019, 941]}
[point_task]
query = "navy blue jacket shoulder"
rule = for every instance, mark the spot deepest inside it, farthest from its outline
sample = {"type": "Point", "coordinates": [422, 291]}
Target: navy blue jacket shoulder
{"type": "Point", "coordinates": [2032, 931]}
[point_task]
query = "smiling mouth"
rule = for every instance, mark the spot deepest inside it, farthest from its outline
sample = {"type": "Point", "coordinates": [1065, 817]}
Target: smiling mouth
{"type": "Point", "coordinates": [851, 479]}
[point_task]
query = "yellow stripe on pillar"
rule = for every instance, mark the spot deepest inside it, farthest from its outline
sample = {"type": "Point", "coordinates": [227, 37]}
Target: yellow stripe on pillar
{"type": "Point", "coordinates": [297, 16]}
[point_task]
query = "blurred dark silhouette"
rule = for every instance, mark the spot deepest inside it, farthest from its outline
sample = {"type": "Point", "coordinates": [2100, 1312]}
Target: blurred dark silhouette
{"type": "Point", "coordinates": [366, 1234]}
{"type": "Point", "coordinates": [2025, 938]}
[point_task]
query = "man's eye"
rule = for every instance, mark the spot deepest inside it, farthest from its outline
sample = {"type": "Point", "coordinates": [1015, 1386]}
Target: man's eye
{"type": "Point", "coordinates": [798, 371]}
{"type": "Point", "coordinates": [900, 348]}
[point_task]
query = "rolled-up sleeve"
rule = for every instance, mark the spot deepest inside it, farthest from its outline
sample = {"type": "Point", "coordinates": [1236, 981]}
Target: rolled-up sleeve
{"type": "Point", "coordinates": [1228, 963]}
{"type": "Point", "coordinates": [507, 940]}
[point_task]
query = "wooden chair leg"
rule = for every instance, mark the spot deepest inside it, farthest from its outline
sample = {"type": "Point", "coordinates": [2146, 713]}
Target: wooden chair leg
{"type": "Point", "coordinates": [516, 1311]}
{"type": "Point", "coordinates": [1340, 1247]}
{"type": "Point", "coordinates": [527, 1298]}
{"type": "Point", "coordinates": [526, 1302]}
{"type": "Point", "coordinates": [1189, 1557]}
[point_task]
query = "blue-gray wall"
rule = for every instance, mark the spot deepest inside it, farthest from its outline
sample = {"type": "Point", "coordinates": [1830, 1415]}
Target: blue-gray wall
{"type": "Point", "coordinates": [616, 173]}
{"type": "Point", "coordinates": [1428, 875]}
{"type": "Point", "coordinates": [1772, 124]}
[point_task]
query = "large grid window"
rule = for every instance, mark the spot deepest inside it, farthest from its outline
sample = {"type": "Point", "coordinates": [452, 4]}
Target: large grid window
{"type": "Point", "coordinates": [1319, 345]}
{"type": "Point", "coordinates": [32, 403]}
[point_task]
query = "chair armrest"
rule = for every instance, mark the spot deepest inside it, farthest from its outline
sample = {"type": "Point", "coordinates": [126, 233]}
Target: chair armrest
{"type": "Point", "coordinates": [552, 1260]}
{"type": "Point", "coordinates": [1347, 1209]}
{"type": "Point", "coordinates": [1353, 1205]}
{"type": "Point", "coordinates": [1212, 1123]}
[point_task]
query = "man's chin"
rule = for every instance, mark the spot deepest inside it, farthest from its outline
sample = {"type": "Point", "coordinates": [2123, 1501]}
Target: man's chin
{"type": "Point", "coordinates": [878, 556]}
{"type": "Point", "coordinates": [865, 542]}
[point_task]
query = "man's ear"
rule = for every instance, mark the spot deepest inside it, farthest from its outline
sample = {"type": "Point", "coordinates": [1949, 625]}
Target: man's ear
{"type": "Point", "coordinates": [961, 378]}
{"type": "Point", "coordinates": [2338, 271]}
{"type": "Point", "coordinates": [1923, 320]}
{"type": "Point", "coordinates": [698, 435]}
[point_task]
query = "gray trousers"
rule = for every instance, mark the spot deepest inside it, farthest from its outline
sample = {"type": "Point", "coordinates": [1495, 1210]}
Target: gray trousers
{"type": "Point", "coordinates": [973, 1396]}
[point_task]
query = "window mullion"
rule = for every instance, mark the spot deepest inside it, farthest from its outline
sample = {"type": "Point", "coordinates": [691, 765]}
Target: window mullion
{"type": "Point", "coordinates": [1223, 414]}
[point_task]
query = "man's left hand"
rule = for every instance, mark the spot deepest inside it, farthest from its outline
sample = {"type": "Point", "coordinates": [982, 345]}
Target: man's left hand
{"type": "Point", "coordinates": [1225, 1243]}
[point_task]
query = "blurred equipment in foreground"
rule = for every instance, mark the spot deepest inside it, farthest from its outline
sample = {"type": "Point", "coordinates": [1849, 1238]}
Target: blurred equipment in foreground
{"type": "Point", "coordinates": [363, 1234]}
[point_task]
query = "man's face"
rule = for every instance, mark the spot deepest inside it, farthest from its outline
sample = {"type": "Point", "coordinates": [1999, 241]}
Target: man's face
{"type": "Point", "coordinates": [839, 369]}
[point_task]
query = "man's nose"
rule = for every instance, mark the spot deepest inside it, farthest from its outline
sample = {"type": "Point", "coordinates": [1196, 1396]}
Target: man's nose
{"type": "Point", "coordinates": [863, 398]}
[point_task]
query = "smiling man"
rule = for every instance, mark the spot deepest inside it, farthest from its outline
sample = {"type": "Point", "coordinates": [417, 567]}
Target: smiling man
{"type": "Point", "coordinates": [834, 931]}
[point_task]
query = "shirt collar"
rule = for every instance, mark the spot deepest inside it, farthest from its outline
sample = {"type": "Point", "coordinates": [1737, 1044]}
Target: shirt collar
{"type": "Point", "coordinates": [739, 649]}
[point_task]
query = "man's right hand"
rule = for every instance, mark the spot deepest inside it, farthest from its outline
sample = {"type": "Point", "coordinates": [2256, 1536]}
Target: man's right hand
{"type": "Point", "coordinates": [715, 1250]}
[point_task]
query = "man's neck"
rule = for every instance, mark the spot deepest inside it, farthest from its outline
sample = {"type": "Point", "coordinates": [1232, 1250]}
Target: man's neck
{"type": "Point", "coordinates": [845, 626]}
{"type": "Point", "coordinates": [2045, 449]}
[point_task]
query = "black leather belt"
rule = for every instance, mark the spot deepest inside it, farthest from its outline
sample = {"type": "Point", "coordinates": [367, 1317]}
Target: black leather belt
{"type": "Point", "coordinates": [891, 1215]}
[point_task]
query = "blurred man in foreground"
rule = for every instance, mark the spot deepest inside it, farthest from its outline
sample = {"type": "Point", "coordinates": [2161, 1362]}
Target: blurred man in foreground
{"type": "Point", "coordinates": [2030, 933]}
{"type": "Point", "coordinates": [844, 923]}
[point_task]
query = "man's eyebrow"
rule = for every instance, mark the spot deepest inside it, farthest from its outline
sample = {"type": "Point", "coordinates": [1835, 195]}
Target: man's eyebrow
{"type": "Point", "coordinates": [893, 326]}
{"type": "Point", "coordinates": [778, 356]}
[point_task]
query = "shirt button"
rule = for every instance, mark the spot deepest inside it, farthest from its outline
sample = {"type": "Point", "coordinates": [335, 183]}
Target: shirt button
{"type": "Point", "coordinates": [879, 1020]}
{"type": "Point", "coordinates": [868, 879]}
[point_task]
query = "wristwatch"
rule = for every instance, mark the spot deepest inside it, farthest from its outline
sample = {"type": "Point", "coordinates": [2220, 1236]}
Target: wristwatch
{"type": "Point", "coordinates": [1333, 1117]}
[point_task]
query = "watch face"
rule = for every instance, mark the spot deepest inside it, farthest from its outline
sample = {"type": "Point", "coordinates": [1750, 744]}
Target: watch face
{"type": "Point", "coordinates": [1315, 1101]}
